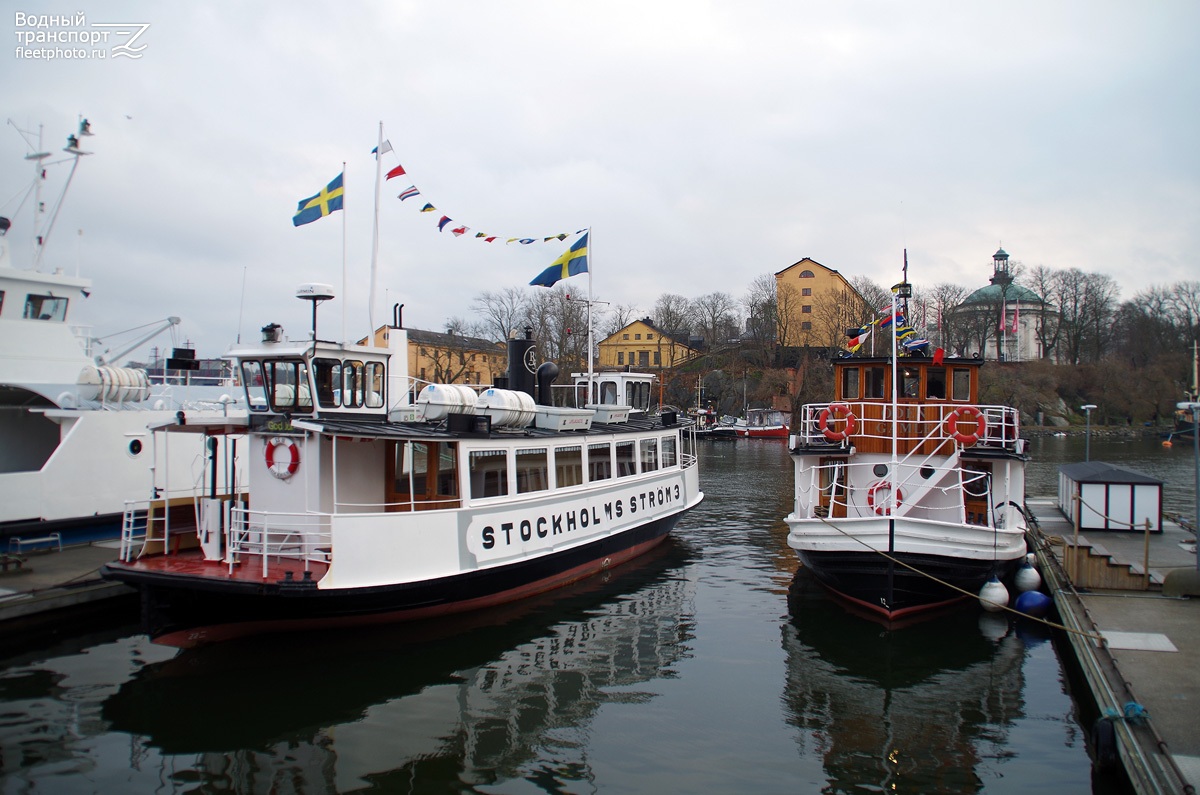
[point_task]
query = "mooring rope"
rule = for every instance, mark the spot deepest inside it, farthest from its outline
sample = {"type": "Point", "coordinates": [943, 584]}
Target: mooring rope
{"type": "Point", "coordinates": [1053, 624]}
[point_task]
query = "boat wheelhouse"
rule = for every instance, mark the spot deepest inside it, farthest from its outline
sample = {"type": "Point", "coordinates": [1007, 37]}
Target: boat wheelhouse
{"type": "Point", "coordinates": [909, 491]}
{"type": "Point", "coordinates": [365, 508]}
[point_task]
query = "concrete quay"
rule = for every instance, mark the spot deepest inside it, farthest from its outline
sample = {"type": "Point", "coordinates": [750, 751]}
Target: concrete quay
{"type": "Point", "coordinates": [1137, 643]}
{"type": "Point", "coordinates": [46, 587]}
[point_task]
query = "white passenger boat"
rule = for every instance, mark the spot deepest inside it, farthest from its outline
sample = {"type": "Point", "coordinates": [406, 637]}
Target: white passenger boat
{"type": "Point", "coordinates": [365, 508]}
{"type": "Point", "coordinates": [74, 443]}
{"type": "Point", "coordinates": [909, 492]}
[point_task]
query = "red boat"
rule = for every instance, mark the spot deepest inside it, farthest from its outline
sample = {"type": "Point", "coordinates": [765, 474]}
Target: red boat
{"type": "Point", "coordinates": [762, 424]}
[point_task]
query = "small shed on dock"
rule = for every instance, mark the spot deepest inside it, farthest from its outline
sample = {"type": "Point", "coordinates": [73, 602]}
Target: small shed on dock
{"type": "Point", "coordinates": [1107, 497]}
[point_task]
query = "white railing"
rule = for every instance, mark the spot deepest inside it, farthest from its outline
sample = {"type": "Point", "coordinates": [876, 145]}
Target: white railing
{"type": "Point", "coordinates": [298, 536]}
{"type": "Point", "coordinates": [916, 421]}
{"type": "Point", "coordinates": [135, 525]}
{"type": "Point", "coordinates": [846, 492]}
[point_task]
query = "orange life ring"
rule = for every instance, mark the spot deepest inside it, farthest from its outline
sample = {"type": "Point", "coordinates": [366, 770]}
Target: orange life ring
{"type": "Point", "coordinates": [882, 508]}
{"type": "Point", "coordinates": [837, 411]}
{"type": "Point", "coordinates": [968, 414]}
{"type": "Point", "coordinates": [282, 469]}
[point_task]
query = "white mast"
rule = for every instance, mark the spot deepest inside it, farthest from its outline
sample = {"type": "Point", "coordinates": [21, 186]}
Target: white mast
{"type": "Point", "coordinates": [591, 367]}
{"type": "Point", "coordinates": [375, 236]}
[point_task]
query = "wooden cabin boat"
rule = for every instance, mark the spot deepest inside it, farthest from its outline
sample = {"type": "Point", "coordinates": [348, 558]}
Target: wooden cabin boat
{"type": "Point", "coordinates": [364, 507]}
{"type": "Point", "coordinates": [909, 492]}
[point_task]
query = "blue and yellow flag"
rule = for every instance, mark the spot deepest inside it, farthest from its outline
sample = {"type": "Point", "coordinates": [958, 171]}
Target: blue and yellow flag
{"type": "Point", "coordinates": [572, 262]}
{"type": "Point", "coordinates": [321, 205]}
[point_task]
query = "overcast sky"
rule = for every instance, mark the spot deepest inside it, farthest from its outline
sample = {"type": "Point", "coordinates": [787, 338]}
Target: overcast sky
{"type": "Point", "coordinates": [704, 143]}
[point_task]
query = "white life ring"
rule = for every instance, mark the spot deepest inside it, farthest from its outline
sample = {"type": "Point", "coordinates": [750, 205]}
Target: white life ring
{"type": "Point", "coordinates": [282, 468]}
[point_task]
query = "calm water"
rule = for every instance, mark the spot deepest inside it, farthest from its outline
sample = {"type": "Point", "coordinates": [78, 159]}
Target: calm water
{"type": "Point", "coordinates": [706, 667]}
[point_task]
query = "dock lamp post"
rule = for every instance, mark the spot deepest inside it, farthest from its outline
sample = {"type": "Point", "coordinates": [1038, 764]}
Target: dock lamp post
{"type": "Point", "coordinates": [1195, 409]}
{"type": "Point", "coordinates": [1087, 444]}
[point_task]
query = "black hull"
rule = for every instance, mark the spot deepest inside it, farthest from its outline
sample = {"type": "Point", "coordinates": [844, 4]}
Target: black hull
{"type": "Point", "coordinates": [894, 591]}
{"type": "Point", "coordinates": [180, 610]}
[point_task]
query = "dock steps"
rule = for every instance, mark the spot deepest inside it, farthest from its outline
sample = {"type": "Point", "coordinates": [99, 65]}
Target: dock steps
{"type": "Point", "coordinates": [1090, 565]}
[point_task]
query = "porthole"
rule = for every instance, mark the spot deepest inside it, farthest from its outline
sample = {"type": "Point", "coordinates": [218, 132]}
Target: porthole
{"type": "Point", "coordinates": [880, 470]}
{"type": "Point", "coordinates": [135, 448]}
{"type": "Point", "coordinates": [927, 472]}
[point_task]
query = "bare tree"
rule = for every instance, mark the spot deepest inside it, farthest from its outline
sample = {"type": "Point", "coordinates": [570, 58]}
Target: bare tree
{"type": "Point", "coordinates": [762, 318]}
{"type": "Point", "coordinates": [618, 317]}
{"type": "Point", "coordinates": [502, 311]}
{"type": "Point", "coordinates": [1043, 280]}
{"type": "Point", "coordinates": [559, 324]}
{"type": "Point", "coordinates": [950, 332]}
{"type": "Point", "coordinates": [717, 318]}
{"type": "Point", "coordinates": [672, 314]}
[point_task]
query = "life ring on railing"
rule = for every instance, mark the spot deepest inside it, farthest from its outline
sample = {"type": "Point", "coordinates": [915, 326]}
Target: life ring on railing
{"type": "Point", "coordinates": [969, 415]}
{"type": "Point", "coordinates": [882, 508]}
{"type": "Point", "coordinates": [282, 467]}
{"type": "Point", "coordinates": [837, 411]}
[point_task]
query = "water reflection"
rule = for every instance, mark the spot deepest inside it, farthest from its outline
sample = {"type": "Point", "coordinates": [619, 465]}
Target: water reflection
{"type": "Point", "coordinates": [908, 710]}
{"type": "Point", "coordinates": [504, 694]}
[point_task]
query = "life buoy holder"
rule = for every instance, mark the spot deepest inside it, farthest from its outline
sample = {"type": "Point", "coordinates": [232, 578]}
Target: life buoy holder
{"type": "Point", "coordinates": [970, 417]}
{"type": "Point", "coordinates": [282, 467]}
{"type": "Point", "coordinates": [837, 411]}
{"type": "Point", "coordinates": [882, 508]}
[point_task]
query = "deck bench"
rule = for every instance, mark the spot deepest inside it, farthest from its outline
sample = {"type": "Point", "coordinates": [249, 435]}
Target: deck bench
{"type": "Point", "coordinates": [17, 543]}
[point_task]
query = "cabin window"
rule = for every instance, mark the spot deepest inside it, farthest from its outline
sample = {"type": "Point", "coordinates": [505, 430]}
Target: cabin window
{"type": "Point", "coordinates": [426, 471]}
{"type": "Point", "coordinates": [352, 384]}
{"type": "Point", "coordinates": [626, 460]}
{"type": "Point", "coordinates": [935, 383]}
{"type": "Point", "coordinates": [608, 393]}
{"type": "Point", "coordinates": [961, 384]}
{"type": "Point", "coordinates": [649, 454]}
{"type": "Point", "coordinates": [599, 462]}
{"type": "Point", "coordinates": [910, 382]}
{"type": "Point", "coordinates": [287, 385]}
{"type": "Point", "coordinates": [668, 452]}
{"type": "Point", "coordinates": [876, 385]}
{"type": "Point", "coordinates": [568, 466]}
{"type": "Point", "coordinates": [45, 307]}
{"type": "Point", "coordinates": [256, 388]}
{"type": "Point", "coordinates": [637, 394]}
{"type": "Point", "coordinates": [328, 375]}
{"type": "Point", "coordinates": [532, 470]}
{"type": "Point", "coordinates": [850, 383]}
{"type": "Point", "coordinates": [488, 473]}
{"type": "Point", "coordinates": [376, 378]}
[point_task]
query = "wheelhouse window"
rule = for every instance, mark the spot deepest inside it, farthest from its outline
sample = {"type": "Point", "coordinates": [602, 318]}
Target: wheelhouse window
{"type": "Point", "coordinates": [626, 459]}
{"type": "Point", "coordinates": [45, 307]}
{"type": "Point", "coordinates": [489, 473]}
{"type": "Point", "coordinates": [876, 382]}
{"type": "Point", "coordinates": [935, 383]}
{"type": "Point", "coordinates": [649, 449]}
{"type": "Point", "coordinates": [568, 466]}
{"type": "Point", "coordinates": [532, 470]}
{"type": "Point", "coordinates": [255, 384]}
{"type": "Point", "coordinates": [637, 394]}
{"type": "Point", "coordinates": [961, 384]}
{"type": "Point", "coordinates": [910, 382]}
{"type": "Point", "coordinates": [608, 393]}
{"type": "Point", "coordinates": [599, 461]}
{"type": "Point", "coordinates": [287, 385]}
{"type": "Point", "coordinates": [328, 375]}
{"type": "Point", "coordinates": [669, 459]}
{"type": "Point", "coordinates": [351, 384]}
{"type": "Point", "coordinates": [850, 384]}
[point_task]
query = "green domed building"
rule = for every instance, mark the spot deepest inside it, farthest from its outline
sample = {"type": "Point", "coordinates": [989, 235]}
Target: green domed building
{"type": "Point", "coordinates": [1002, 320]}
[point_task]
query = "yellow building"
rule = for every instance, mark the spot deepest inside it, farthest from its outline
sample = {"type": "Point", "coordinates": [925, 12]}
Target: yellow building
{"type": "Point", "coordinates": [816, 305]}
{"type": "Point", "coordinates": [442, 358]}
{"type": "Point", "coordinates": [643, 346]}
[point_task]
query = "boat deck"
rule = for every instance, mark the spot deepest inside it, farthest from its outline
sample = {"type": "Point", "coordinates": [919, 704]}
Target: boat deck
{"type": "Point", "coordinates": [248, 569]}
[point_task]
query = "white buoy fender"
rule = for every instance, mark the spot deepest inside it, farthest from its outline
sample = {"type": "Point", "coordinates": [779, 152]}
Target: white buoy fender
{"type": "Point", "coordinates": [1027, 579]}
{"type": "Point", "coordinates": [993, 595]}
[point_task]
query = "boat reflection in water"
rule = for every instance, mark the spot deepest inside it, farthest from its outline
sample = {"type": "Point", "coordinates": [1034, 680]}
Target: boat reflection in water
{"type": "Point", "coordinates": [469, 701]}
{"type": "Point", "coordinates": [917, 709]}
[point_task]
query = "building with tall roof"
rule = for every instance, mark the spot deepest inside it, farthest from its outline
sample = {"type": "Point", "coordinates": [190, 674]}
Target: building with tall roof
{"type": "Point", "coordinates": [643, 345]}
{"type": "Point", "coordinates": [815, 305]}
{"type": "Point", "coordinates": [1002, 321]}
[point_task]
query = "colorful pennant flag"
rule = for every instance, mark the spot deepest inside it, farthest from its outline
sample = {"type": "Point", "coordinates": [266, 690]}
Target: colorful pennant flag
{"type": "Point", "coordinates": [396, 172]}
{"type": "Point", "coordinates": [408, 193]}
{"type": "Point", "coordinates": [572, 262]}
{"type": "Point", "coordinates": [382, 150]}
{"type": "Point", "coordinates": [327, 201]}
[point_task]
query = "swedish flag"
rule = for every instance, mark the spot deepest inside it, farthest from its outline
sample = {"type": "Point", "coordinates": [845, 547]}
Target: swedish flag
{"type": "Point", "coordinates": [321, 205]}
{"type": "Point", "coordinates": [572, 262]}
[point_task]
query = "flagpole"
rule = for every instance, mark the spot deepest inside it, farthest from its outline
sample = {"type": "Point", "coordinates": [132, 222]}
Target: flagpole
{"type": "Point", "coordinates": [343, 255]}
{"type": "Point", "coordinates": [591, 264]}
{"type": "Point", "coordinates": [375, 236]}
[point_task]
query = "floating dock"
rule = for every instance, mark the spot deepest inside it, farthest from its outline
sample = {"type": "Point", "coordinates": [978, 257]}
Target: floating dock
{"type": "Point", "coordinates": [1136, 642]}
